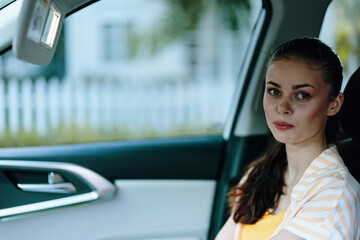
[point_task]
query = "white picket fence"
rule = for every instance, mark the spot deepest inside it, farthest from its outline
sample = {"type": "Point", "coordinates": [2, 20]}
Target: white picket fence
{"type": "Point", "coordinates": [41, 105]}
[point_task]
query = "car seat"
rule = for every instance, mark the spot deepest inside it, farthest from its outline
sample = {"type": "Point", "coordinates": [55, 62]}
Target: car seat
{"type": "Point", "coordinates": [349, 147]}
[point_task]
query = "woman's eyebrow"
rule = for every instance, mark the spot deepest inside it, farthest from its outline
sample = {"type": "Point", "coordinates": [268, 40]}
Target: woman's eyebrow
{"type": "Point", "coordinates": [293, 87]}
{"type": "Point", "coordinates": [302, 85]}
{"type": "Point", "coordinates": [273, 83]}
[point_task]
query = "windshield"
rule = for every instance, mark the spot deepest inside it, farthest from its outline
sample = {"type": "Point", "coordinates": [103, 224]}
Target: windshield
{"type": "Point", "coordinates": [121, 72]}
{"type": "Point", "coordinates": [9, 11]}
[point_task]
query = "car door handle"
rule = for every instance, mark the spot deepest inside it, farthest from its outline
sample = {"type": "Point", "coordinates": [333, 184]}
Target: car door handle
{"type": "Point", "coordinates": [99, 187]}
{"type": "Point", "coordinates": [56, 184]}
{"type": "Point", "coordinates": [48, 187]}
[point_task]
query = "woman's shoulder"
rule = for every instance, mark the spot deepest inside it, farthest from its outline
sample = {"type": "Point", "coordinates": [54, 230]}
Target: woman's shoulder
{"type": "Point", "coordinates": [327, 176]}
{"type": "Point", "coordinates": [331, 188]}
{"type": "Point", "coordinates": [331, 198]}
{"type": "Point", "coordinates": [328, 166]}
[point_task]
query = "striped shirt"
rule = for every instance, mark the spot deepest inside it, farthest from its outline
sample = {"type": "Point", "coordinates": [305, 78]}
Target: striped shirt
{"type": "Point", "coordinates": [325, 203]}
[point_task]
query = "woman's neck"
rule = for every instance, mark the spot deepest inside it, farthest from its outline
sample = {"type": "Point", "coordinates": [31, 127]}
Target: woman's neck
{"type": "Point", "coordinates": [299, 158]}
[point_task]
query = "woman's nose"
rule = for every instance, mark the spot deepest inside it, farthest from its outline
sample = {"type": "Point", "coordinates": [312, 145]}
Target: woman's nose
{"type": "Point", "coordinates": [284, 107]}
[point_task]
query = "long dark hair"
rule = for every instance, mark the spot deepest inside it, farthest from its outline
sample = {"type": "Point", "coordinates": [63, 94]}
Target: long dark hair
{"type": "Point", "coordinates": [264, 184]}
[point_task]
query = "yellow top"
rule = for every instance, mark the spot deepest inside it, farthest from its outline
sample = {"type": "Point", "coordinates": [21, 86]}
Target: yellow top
{"type": "Point", "coordinates": [262, 229]}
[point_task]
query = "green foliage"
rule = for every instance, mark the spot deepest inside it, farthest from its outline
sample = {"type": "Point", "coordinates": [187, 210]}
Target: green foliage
{"type": "Point", "coordinates": [342, 43]}
{"type": "Point", "coordinates": [233, 10]}
{"type": "Point", "coordinates": [347, 30]}
{"type": "Point", "coordinates": [182, 18]}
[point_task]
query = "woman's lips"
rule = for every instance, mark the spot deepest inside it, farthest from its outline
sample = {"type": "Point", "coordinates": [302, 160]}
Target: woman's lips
{"type": "Point", "coordinates": [282, 125]}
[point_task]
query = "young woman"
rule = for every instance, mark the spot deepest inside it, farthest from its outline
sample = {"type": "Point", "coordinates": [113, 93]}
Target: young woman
{"type": "Point", "coordinates": [300, 188]}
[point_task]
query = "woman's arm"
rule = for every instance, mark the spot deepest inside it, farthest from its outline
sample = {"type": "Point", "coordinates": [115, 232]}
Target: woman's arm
{"type": "Point", "coordinates": [227, 232]}
{"type": "Point", "coordinates": [286, 235]}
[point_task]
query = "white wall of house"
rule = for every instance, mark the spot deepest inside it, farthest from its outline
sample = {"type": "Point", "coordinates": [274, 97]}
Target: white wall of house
{"type": "Point", "coordinates": [216, 46]}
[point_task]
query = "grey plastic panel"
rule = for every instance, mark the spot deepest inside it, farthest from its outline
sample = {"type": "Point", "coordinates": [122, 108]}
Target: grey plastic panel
{"type": "Point", "coordinates": [140, 209]}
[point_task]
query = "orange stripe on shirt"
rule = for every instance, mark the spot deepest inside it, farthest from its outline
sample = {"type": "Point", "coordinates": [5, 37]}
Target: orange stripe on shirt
{"type": "Point", "coordinates": [306, 230]}
{"type": "Point", "coordinates": [345, 223]}
{"type": "Point", "coordinates": [317, 209]}
{"type": "Point", "coordinates": [334, 223]}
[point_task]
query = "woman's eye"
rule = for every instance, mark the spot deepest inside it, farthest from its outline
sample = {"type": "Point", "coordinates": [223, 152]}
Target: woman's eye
{"type": "Point", "coordinates": [303, 96]}
{"type": "Point", "coordinates": [274, 92]}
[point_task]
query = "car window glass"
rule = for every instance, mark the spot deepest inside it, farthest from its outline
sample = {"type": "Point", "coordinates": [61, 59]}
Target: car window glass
{"type": "Point", "coordinates": [127, 70]}
{"type": "Point", "coordinates": [341, 30]}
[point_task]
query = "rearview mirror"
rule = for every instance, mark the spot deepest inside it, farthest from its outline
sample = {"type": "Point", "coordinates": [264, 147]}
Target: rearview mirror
{"type": "Point", "coordinates": [38, 29]}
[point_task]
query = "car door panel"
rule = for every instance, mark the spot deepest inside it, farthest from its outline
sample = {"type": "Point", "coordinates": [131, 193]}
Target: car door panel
{"type": "Point", "coordinates": [164, 190]}
{"type": "Point", "coordinates": [140, 209]}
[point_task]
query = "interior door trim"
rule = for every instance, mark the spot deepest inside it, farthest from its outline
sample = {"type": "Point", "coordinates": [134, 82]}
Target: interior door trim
{"type": "Point", "coordinates": [100, 187]}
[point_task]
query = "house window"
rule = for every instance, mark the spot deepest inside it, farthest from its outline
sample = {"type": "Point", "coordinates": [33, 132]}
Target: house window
{"type": "Point", "coordinates": [115, 41]}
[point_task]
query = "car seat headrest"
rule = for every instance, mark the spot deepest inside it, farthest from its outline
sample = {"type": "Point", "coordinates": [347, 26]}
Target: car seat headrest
{"type": "Point", "coordinates": [349, 114]}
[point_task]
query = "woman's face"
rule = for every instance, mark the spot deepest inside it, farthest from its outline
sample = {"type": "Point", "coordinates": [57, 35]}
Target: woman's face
{"type": "Point", "coordinates": [296, 102]}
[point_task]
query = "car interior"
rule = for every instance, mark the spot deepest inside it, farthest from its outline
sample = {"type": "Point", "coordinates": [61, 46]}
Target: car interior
{"type": "Point", "coordinates": [167, 188]}
{"type": "Point", "coordinates": [349, 146]}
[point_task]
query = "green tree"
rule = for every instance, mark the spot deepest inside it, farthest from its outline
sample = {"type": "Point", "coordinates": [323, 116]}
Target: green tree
{"type": "Point", "coordinates": [348, 32]}
{"type": "Point", "coordinates": [183, 17]}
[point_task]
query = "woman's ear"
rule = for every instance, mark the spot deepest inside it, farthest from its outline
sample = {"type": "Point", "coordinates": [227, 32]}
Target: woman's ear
{"type": "Point", "coordinates": [335, 105]}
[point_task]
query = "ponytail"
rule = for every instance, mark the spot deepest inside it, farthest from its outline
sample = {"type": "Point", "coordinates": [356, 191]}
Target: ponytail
{"type": "Point", "coordinates": [262, 187]}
